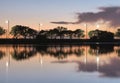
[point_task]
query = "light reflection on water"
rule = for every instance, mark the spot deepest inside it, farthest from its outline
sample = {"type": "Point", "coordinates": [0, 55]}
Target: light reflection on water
{"type": "Point", "coordinates": [59, 64]}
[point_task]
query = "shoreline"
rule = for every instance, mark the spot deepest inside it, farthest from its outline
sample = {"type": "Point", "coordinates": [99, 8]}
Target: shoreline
{"type": "Point", "coordinates": [59, 41]}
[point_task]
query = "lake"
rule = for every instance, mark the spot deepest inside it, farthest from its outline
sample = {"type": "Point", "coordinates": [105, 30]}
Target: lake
{"type": "Point", "coordinates": [59, 64]}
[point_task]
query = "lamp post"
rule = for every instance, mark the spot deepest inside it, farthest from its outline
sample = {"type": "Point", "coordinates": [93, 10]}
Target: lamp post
{"type": "Point", "coordinates": [39, 28]}
{"type": "Point", "coordinates": [7, 22]}
{"type": "Point", "coordinates": [86, 30]}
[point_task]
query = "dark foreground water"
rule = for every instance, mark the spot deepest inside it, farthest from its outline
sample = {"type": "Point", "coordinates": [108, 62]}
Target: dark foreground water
{"type": "Point", "coordinates": [59, 64]}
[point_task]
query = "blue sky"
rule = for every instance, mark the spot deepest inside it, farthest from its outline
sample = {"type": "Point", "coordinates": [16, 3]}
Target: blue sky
{"type": "Point", "coordinates": [31, 12]}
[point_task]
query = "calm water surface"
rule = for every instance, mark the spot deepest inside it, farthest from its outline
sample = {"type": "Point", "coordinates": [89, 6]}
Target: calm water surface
{"type": "Point", "coordinates": [59, 64]}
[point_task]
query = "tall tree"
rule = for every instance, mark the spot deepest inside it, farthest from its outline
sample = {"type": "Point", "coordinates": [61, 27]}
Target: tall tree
{"type": "Point", "coordinates": [62, 31]}
{"type": "Point", "coordinates": [101, 35]}
{"type": "Point", "coordinates": [117, 34]}
{"type": "Point", "coordinates": [2, 31]}
{"type": "Point", "coordinates": [42, 34]}
{"type": "Point", "coordinates": [79, 33]}
{"type": "Point", "coordinates": [19, 31]}
{"type": "Point", "coordinates": [57, 32]}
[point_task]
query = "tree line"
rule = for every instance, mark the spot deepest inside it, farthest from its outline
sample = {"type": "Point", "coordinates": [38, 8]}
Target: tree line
{"type": "Point", "coordinates": [25, 32]}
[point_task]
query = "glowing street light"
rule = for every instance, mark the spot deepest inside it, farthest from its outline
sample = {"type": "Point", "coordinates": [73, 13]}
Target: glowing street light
{"type": "Point", "coordinates": [40, 26]}
{"type": "Point", "coordinates": [98, 26]}
{"type": "Point", "coordinates": [7, 22]}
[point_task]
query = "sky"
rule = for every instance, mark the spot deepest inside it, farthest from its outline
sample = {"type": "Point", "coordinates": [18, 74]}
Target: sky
{"type": "Point", "coordinates": [33, 12]}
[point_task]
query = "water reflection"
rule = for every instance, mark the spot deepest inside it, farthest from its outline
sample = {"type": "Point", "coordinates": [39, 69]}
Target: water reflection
{"type": "Point", "coordinates": [103, 59]}
{"type": "Point", "coordinates": [118, 51]}
{"type": "Point", "coordinates": [21, 53]}
{"type": "Point", "coordinates": [2, 54]}
{"type": "Point", "coordinates": [102, 49]}
{"type": "Point", "coordinates": [60, 52]}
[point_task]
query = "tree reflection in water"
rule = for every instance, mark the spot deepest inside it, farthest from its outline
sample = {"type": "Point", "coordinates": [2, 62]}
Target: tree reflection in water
{"type": "Point", "coordinates": [60, 52]}
{"type": "Point", "coordinates": [22, 53]}
{"type": "Point", "coordinates": [118, 51]}
{"type": "Point", "coordinates": [2, 54]}
{"type": "Point", "coordinates": [102, 49]}
{"type": "Point", "coordinates": [106, 66]}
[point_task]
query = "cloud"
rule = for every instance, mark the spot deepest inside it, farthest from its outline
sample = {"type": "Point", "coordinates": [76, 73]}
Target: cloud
{"type": "Point", "coordinates": [106, 69]}
{"type": "Point", "coordinates": [111, 69]}
{"type": "Point", "coordinates": [60, 61]}
{"type": "Point", "coordinates": [109, 15]}
{"type": "Point", "coordinates": [62, 22]}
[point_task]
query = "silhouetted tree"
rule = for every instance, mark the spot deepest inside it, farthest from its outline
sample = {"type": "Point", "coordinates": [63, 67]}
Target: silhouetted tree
{"type": "Point", "coordinates": [101, 35]}
{"type": "Point", "coordinates": [70, 33]}
{"type": "Point", "coordinates": [23, 31]}
{"type": "Point", "coordinates": [42, 34]}
{"type": "Point", "coordinates": [56, 32]}
{"type": "Point", "coordinates": [53, 33]}
{"type": "Point", "coordinates": [61, 31]}
{"type": "Point", "coordinates": [79, 33]}
{"type": "Point", "coordinates": [117, 34]}
{"type": "Point", "coordinates": [2, 31]}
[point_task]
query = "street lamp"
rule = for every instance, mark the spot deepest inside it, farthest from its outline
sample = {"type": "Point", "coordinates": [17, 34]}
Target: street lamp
{"type": "Point", "coordinates": [39, 28]}
{"type": "Point", "coordinates": [86, 29]}
{"type": "Point", "coordinates": [97, 26]}
{"type": "Point", "coordinates": [7, 22]}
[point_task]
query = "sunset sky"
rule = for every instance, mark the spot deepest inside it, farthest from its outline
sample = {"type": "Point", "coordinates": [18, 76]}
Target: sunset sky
{"type": "Point", "coordinates": [33, 12]}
